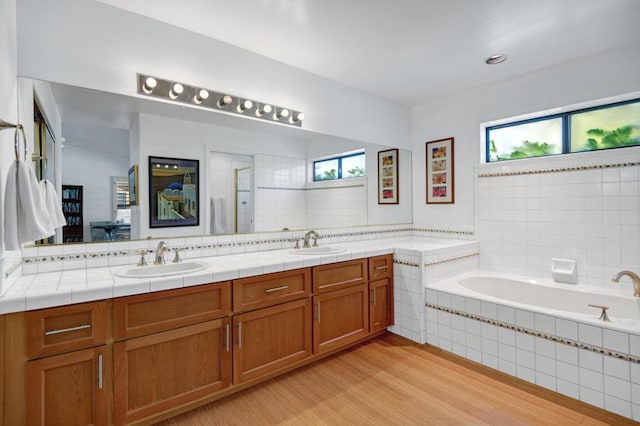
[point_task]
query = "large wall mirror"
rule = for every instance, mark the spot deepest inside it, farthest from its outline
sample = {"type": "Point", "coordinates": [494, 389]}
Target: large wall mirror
{"type": "Point", "coordinates": [253, 176]}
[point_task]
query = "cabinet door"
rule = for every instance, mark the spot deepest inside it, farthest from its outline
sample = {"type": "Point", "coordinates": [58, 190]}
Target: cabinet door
{"type": "Point", "coordinates": [271, 338]}
{"type": "Point", "coordinates": [69, 389]}
{"type": "Point", "coordinates": [155, 373]}
{"type": "Point", "coordinates": [381, 305]}
{"type": "Point", "coordinates": [340, 317]}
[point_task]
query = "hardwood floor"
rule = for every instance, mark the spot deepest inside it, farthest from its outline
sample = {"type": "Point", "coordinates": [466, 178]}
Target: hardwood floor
{"type": "Point", "coordinates": [393, 381]}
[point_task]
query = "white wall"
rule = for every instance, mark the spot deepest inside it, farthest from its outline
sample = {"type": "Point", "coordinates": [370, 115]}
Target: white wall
{"type": "Point", "coordinates": [607, 74]}
{"type": "Point", "coordinates": [92, 169]}
{"type": "Point", "coordinates": [94, 45]}
{"type": "Point", "coordinates": [8, 112]}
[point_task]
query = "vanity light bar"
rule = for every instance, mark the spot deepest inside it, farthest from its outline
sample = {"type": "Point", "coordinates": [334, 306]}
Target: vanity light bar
{"type": "Point", "coordinates": [186, 94]}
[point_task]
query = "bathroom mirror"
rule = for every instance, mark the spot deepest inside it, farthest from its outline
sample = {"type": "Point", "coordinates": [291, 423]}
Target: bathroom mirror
{"type": "Point", "coordinates": [256, 174]}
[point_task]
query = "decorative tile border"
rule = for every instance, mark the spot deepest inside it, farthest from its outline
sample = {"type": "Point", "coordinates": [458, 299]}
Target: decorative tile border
{"type": "Point", "coordinates": [559, 169]}
{"type": "Point", "coordinates": [405, 263]}
{"type": "Point", "coordinates": [451, 259]}
{"type": "Point", "coordinates": [243, 243]}
{"type": "Point", "coordinates": [443, 231]}
{"type": "Point", "coordinates": [551, 337]}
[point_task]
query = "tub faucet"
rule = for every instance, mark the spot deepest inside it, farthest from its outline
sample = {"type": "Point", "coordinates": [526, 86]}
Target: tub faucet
{"type": "Point", "coordinates": [307, 236]}
{"type": "Point", "coordinates": [162, 247]}
{"type": "Point", "coordinates": [634, 278]}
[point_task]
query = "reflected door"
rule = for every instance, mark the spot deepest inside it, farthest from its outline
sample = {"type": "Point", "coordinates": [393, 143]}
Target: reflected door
{"type": "Point", "coordinates": [242, 183]}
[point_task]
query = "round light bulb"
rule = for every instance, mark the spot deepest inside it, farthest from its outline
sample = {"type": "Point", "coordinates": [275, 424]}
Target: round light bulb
{"type": "Point", "coordinates": [264, 109]}
{"type": "Point", "coordinates": [176, 90]}
{"type": "Point", "coordinates": [200, 96]}
{"type": "Point", "coordinates": [245, 105]}
{"type": "Point", "coordinates": [150, 83]}
{"type": "Point", "coordinates": [224, 101]}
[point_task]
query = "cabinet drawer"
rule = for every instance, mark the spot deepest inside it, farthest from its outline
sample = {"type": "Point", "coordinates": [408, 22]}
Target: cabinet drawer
{"type": "Point", "coordinates": [380, 267]}
{"type": "Point", "coordinates": [165, 310]}
{"type": "Point", "coordinates": [66, 328]}
{"type": "Point", "coordinates": [339, 275]}
{"type": "Point", "coordinates": [266, 290]}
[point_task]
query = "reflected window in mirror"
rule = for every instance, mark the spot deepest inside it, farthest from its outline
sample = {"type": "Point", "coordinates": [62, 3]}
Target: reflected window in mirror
{"type": "Point", "coordinates": [345, 166]}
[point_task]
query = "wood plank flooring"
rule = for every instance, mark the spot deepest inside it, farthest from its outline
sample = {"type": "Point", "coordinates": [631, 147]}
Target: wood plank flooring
{"type": "Point", "coordinates": [393, 381]}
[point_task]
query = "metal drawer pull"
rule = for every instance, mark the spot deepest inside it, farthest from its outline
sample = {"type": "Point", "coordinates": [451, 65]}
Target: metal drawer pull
{"type": "Point", "coordinates": [284, 287]}
{"type": "Point", "coordinates": [381, 267]}
{"type": "Point", "coordinates": [67, 330]}
{"type": "Point", "coordinates": [318, 312]}
{"type": "Point", "coordinates": [99, 371]}
{"type": "Point", "coordinates": [354, 280]}
{"type": "Point", "coordinates": [239, 335]}
{"type": "Point", "coordinates": [226, 345]}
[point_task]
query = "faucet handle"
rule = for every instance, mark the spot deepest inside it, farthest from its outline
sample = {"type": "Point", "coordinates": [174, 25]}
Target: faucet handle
{"type": "Point", "coordinates": [297, 243]}
{"type": "Point", "coordinates": [176, 258]}
{"type": "Point", "coordinates": [603, 316]}
{"type": "Point", "coordinates": [142, 261]}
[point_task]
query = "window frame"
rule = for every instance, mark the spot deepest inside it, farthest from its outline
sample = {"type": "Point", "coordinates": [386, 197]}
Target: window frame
{"type": "Point", "coordinates": [565, 117]}
{"type": "Point", "coordinates": [339, 171]}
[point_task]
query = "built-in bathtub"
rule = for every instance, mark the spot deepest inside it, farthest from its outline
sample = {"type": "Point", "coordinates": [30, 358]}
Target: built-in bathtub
{"type": "Point", "coordinates": [544, 333]}
{"type": "Point", "coordinates": [546, 297]}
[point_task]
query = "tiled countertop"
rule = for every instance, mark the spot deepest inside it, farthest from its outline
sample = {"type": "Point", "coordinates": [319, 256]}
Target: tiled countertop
{"type": "Point", "coordinates": [44, 290]}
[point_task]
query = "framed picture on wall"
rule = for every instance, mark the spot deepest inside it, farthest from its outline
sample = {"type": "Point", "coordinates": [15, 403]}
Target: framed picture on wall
{"type": "Point", "coordinates": [440, 188]}
{"type": "Point", "coordinates": [133, 185]}
{"type": "Point", "coordinates": [173, 192]}
{"type": "Point", "coordinates": [388, 177]}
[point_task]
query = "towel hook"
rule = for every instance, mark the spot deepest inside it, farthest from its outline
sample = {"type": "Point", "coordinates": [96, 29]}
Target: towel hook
{"type": "Point", "coordinates": [7, 125]}
{"type": "Point", "coordinates": [20, 129]}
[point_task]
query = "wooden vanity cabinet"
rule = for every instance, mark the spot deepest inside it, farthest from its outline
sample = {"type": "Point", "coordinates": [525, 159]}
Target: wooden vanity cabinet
{"type": "Point", "coordinates": [381, 301]}
{"type": "Point", "coordinates": [67, 374]}
{"type": "Point", "coordinates": [340, 304]}
{"type": "Point", "coordinates": [181, 350]}
{"type": "Point", "coordinates": [380, 305]}
{"type": "Point", "coordinates": [269, 339]}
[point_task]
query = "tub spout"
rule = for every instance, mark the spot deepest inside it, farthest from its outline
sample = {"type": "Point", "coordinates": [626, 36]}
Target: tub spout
{"type": "Point", "coordinates": [634, 278]}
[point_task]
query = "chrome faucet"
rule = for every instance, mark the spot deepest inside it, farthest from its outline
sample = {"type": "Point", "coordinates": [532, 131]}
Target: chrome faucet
{"type": "Point", "coordinates": [307, 236]}
{"type": "Point", "coordinates": [162, 247]}
{"type": "Point", "coordinates": [634, 278]}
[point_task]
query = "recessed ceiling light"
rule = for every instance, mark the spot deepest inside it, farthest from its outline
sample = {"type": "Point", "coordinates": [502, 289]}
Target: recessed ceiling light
{"type": "Point", "coordinates": [496, 59]}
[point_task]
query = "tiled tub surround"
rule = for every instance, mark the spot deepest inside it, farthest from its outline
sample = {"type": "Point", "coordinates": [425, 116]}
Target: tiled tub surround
{"type": "Point", "coordinates": [582, 357]}
{"type": "Point", "coordinates": [416, 264]}
{"type": "Point", "coordinates": [584, 207]}
{"type": "Point", "coordinates": [61, 282]}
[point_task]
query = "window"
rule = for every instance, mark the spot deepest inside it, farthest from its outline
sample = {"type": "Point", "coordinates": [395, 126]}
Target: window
{"type": "Point", "coordinates": [608, 126]}
{"type": "Point", "coordinates": [343, 167]}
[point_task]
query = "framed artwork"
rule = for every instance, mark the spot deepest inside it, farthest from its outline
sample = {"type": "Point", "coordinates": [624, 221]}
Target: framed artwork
{"type": "Point", "coordinates": [440, 189]}
{"type": "Point", "coordinates": [133, 185]}
{"type": "Point", "coordinates": [173, 192]}
{"type": "Point", "coordinates": [388, 177]}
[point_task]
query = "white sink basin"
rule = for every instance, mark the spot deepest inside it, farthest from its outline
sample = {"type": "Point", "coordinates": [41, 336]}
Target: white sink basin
{"type": "Point", "coordinates": [318, 250]}
{"type": "Point", "coordinates": [166, 270]}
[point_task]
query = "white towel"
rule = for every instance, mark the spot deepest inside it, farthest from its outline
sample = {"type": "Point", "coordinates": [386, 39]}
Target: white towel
{"type": "Point", "coordinates": [217, 215]}
{"type": "Point", "coordinates": [52, 201]}
{"type": "Point", "coordinates": [26, 217]}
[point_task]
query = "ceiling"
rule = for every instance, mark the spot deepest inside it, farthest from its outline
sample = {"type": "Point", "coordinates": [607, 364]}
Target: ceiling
{"type": "Point", "coordinates": [407, 51]}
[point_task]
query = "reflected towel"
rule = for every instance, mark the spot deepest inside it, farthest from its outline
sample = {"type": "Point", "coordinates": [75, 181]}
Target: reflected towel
{"type": "Point", "coordinates": [26, 218]}
{"type": "Point", "coordinates": [52, 201]}
{"type": "Point", "coordinates": [217, 215]}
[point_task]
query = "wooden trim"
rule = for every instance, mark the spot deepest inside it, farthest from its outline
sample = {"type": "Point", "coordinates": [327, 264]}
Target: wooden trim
{"type": "Point", "coordinates": [15, 375]}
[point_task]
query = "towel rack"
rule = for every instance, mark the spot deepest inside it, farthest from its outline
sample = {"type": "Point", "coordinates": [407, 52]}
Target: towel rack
{"type": "Point", "coordinates": [6, 125]}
